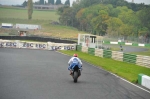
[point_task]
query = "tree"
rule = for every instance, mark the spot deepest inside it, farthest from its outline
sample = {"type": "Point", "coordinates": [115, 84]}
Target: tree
{"type": "Point", "coordinates": [67, 2]}
{"type": "Point", "coordinates": [125, 31]}
{"type": "Point", "coordinates": [45, 3]}
{"type": "Point", "coordinates": [37, 2]}
{"type": "Point", "coordinates": [87, 3]}
{"type": "Point", "coordinates": [30, 9]}
{"type": "Point", "coordinates": [114, 25]}
{"type": "Point", "coordinates": [51, 2]}
{"type": "Point", "coordinates": [42, 2]}
{"type": "Point", "coordinates": [144, 16]}
{"type": "Point", "coordinates": [24, 3]}
{"type": "Point", "coordinates": [58, 2]}
{"type": "Point", "coordinates": [99, 23]}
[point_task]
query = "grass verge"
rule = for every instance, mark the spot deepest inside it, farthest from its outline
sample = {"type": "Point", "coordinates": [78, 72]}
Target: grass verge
{"type": "Point", "coordinates": [125, 70]}
{"type": "Point", "coordinates": [145, 53]}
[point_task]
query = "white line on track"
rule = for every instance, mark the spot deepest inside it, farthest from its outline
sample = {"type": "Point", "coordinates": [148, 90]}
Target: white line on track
{"type": "Point", "coordinates": [111, 73]}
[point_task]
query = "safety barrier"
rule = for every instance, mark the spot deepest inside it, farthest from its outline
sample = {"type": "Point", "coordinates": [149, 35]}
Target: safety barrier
{"type": "Point", "coordinates": [143, 60]}
{"type": "Point", "coordinates": [129, 58]}
{"type": "Point", "coordinates": [120, 56]}
{"type": "Point", "coordinates": [79, 48]}
{"type": "Point", "coordinates": [144, 80]}
{"type": "Point", "coordinates": [91, 51]}
{"type": "Point", "coordinates": [123, 43]}
{"type": "Point", "coordinates": [85, 49]}
{"type": "Point", "coordinates": [117, 55]}
{"type": "Point", "coordinates": [36, 45]}
{"type": "Point", "coordinates": [107, 53]}
{"type": "Point", "coordinates": [99, 52]}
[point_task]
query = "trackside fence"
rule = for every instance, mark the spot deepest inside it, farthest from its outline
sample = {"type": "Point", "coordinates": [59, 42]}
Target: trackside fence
{"type": "Point", "coordinates": [36, 45]}
{"type": "Point", "coordinates": [119, 56]}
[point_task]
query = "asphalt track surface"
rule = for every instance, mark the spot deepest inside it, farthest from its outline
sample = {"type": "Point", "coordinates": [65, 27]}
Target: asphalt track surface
{"type": "Point", "coordinates": [127, 49]}
{"type": "Point", "coordinates": [39, 74]}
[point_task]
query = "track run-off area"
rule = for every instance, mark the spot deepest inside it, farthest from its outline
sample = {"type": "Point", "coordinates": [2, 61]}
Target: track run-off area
{"type": "Point", "coordinates": [43, 74]}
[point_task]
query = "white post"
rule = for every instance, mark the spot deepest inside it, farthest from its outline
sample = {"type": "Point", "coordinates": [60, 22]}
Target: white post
{"type": "Point", "coordinates": [78, 39]}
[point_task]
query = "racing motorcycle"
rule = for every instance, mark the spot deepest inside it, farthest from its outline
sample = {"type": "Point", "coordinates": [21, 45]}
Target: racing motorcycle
{"type": "Point", "coordinates": [76, 73]}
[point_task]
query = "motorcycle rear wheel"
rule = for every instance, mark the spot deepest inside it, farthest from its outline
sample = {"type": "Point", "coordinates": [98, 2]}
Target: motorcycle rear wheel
{"type": "Point", "coordinates": [75, 76]}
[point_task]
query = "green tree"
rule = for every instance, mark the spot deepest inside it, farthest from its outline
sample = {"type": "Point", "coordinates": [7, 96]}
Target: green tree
{"type": "Point", "coordinates": [99, 23]}
{"type": "Point", "coordinates": [67, 2]}
{"type": "Point", "coordinates": [37, 2]}
{"type": "Point", "coordinates": [45, 3]}
{"type": "Point", "coordinates": [144, 16]}
{"type": "Point", "coordinates": [24, 3]}
{"type": "Point", "coordinates": [125, 31]}
{"type": "Point", "coordinates": [82, 19]}
{"type": "Point", "coordinates": [58, 2]}
{"type": "Point", "coordinates": [114, 25]}
{"type": "Point", "coordinates": [87, 3]}
{"type": "Point", "coordinates": [42, 2]}
{"type": "Point", "coordinates": [51, 2]}
{"type": "Point", "coordinates": [30, 9]}
{"type": "Point", "coordinates": [130, 18]}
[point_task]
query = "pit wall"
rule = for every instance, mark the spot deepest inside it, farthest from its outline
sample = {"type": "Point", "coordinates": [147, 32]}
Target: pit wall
{"type": "Point", "coordinates": [36, 45]}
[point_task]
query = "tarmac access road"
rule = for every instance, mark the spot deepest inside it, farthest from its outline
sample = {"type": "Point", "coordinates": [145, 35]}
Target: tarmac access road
{"type": "Point", "coordinates": [42, 74]}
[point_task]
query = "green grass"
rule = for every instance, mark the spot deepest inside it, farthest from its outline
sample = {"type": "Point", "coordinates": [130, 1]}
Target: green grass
{"type": "Point", "coordinates": [125, 70]}
{"type": "Point", "coordinates": [23, 14]}
{"type": "Point", "coordinates": [43, 18]}
{"type": "Point", "coordinates": [145, 53]}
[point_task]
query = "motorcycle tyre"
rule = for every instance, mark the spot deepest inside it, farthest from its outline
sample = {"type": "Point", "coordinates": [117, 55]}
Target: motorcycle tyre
{"type": "Point", "coordinates": [75, 76]}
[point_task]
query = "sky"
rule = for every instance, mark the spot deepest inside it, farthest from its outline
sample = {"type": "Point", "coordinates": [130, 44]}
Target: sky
{"type": "Point", "coordinates": [19, 2]}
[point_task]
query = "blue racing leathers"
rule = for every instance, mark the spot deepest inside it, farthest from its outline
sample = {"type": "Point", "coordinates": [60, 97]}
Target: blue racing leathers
{"type": "Point", "coordinates": [73, 62]}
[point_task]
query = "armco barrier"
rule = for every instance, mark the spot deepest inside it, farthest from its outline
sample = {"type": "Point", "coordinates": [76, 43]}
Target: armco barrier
{"type": "Point", "coordinates": [144, 80]}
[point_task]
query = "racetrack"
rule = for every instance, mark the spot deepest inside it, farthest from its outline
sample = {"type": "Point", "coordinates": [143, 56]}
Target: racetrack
{"type": "Point", "coordinates": [40, 74]}
{"type": "Point", "coordinates": [127, 49]}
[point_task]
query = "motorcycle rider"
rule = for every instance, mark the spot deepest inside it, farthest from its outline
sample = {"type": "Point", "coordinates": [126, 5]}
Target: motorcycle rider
{"type": "Point", "coordinates": [73, 62]}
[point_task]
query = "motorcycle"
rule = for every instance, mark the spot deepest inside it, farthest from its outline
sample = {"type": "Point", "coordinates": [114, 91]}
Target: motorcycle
{"type": "Point", "coordinates": [76, 73]}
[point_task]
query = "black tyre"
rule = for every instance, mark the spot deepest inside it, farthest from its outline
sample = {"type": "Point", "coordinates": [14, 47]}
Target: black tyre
{"type": "Point", "coordinates": [75, 76]}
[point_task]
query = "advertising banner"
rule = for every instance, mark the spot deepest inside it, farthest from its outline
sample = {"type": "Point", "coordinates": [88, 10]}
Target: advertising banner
{"type": "Point", "coordinates": [37, 45]}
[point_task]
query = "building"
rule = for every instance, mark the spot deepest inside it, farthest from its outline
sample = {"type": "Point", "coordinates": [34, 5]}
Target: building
{"type": "Point", "coordinates": [47, 7]}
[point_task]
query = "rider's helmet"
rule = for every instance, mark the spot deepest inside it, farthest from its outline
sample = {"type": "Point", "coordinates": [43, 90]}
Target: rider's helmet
{"type": "Point", "coordinates": [75, 55]}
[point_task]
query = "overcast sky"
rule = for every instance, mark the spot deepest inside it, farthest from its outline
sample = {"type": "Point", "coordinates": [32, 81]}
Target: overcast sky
{"type": "Point", "coordinates": [15, 2]}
